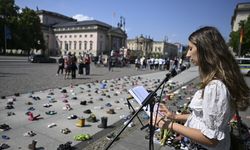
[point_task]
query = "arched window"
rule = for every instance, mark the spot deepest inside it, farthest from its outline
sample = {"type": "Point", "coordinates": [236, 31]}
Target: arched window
{"type": "Point", "coordinates": [66, 45]}
{"type": "Point", "coordinates": [85, 45]}
{"type": "Point", "coordinates": [80, 45]}
{"type": "Point", "coordinates": [91, 45]}
{"type": "Point", "coordinates": [74, 45]}
{"type": "Point", "coordinates": [70, 44]}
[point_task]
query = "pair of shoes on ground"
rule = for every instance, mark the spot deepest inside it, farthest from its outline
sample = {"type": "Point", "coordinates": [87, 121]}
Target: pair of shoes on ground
{"type": "Point", "coordinates": [67, 107]}
{"type": "Point", "coordinates": [111, 136]}
{"type": "Point", "coordinates": [92, 118]}
{"type": "Point", "coordinates": [51, 112]}
{"type": "Point", "coordinates": [29, 133]}
{"type": "Point", "coordinates": [111, 111]}
{"type": "Point", "coordinates": [72, 117]}
{"type": "Point", "coordinates": [10, 113]}
{"type": "Point", "coordinates": [5, 137]}
{"type": "Point", "coordinates": [9, 107]}
{"type": "Point", "coordinates": [83, 103]}
{"type": "Point", "coordinates": [65, 131]}
{"type": "Point", "coordinates": [88, 111]}
{"type": "Point", "coordinates": [51, 125]}
{"type": "Point", "coordinates": [66, 146]}
{"type": "Point", "coordinates": [47, 105]}
{"type": "Point", "coordinates": [4, 146]}
{"type": "Point", "coordinates": [4, 127]}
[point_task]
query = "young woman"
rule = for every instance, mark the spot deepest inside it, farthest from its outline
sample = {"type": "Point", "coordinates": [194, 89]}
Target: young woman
{"type": "Point", "coordinates": [223, 90]}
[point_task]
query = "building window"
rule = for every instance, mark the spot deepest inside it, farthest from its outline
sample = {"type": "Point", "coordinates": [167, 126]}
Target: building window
{"type": "Point", "coordinates": [85, 45]}
{"type": "Point", "coordinates": [101, 45]}
{"type": "Point", "coordinates": [75, 45]}
{"type": "Point", "coordinates": [66, 45]}
{"type": "Point", "coordinates": [91, 35]}
{"type": "Point", "coordinates": [70, 44]}
{"type": "Point", "coordinates": [80, 45]}
{"type": "Point", "coordinates": [69, 36]}
{"type": "Point", "coordinates": [90, 45]}
{"type": "Point", "coordinates": [85, 35]}
{"type": "Point", "coordinates": [61, 36]}
{"type": "Point", "coordinates": [65, 36]}
{"type": "Point", "coordinates": [80, 36]}
{"type": "Point", "coordinates": [60, 44]}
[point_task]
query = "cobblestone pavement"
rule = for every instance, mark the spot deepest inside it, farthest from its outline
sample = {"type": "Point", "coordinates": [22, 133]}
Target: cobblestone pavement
{"type": "Point", "coordinates": [19, 76]}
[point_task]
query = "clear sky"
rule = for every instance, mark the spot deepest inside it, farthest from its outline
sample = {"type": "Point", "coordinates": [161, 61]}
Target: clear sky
{"type": "Point", "coordinates": [174, 19]}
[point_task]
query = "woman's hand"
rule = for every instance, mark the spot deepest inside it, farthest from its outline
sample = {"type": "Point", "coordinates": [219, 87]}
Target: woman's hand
{"type": "Point", "coordinates": [166, 112]}
{"type": "Point", "coordinates": [161, 122]}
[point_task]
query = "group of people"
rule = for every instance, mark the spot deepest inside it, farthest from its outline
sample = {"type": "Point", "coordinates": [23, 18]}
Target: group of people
{"type": "Point", "coordinates": [223, 91]}
{"type": "Point", "coordinates": [70, 63]}
{"type": "Point", "coordinates": [160, 63]}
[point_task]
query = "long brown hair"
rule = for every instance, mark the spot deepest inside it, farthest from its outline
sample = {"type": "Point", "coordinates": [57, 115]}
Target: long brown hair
{"type": "Point", "coordinates": [216, 61]}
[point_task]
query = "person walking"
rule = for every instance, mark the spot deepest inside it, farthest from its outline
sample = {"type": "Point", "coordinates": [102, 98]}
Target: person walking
{"type": "Point", "coordinates": [223, 90]}
{"type": "Point", "coordinates": [60, 65]}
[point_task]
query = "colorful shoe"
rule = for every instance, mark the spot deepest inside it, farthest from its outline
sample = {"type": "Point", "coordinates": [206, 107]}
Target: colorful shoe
{"type": "Point", "coordinates": [80, 122]}
{"type": "Point", "coordinates": [82, 137]}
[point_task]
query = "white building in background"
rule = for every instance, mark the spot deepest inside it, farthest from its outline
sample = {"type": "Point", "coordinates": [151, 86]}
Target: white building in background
{"type": "Point", "coordinates": [241, 12]}
{"type": "Point", "coordinates": [62, 34]}
{"type": "Point", "coordinates": [145, 46]}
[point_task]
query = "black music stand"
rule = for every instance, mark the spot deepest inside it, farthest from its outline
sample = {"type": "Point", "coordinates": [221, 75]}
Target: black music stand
{"type": "Point", "coordinates": [149, 100]}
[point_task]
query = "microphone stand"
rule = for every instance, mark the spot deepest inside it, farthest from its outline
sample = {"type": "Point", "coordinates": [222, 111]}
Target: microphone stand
{"type": "Point", "coordinates": [148, 101]}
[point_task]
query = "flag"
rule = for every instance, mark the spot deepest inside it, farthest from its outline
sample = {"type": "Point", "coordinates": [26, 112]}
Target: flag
{"type": "Point", "coordinates": [241, 35]}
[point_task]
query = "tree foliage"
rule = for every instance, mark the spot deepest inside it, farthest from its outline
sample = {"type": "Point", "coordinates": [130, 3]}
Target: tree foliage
{"type": "Point", "coordinates": [235, 38]}
{"type": "Point", "coordinates": [31, 30]}
{"type": "Point", "coordinates": [23, 28]}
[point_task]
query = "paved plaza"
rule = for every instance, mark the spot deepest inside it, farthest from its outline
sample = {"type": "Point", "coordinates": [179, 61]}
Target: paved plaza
{"type": "Point", "coordinates": [102, 92]}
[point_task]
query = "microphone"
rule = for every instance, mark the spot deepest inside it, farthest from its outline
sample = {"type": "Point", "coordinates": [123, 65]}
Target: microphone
{"type": "Point", "coordinates": [172, 72]}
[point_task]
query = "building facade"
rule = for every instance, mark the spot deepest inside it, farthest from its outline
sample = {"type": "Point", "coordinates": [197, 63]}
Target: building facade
{"type": "Point", "coordinates": [241, 12]}
{"type": "Point", "coordinates": [145, 46]}
{"type": "Point", "coordinates": [63, 34]}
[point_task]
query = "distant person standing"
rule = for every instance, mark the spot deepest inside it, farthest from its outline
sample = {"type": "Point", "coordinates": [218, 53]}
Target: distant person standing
{"type": "Point", "coordinates": [67, 65]}
{"type": "Point", "coordinates": [87, 64]}
{"type": "Point", "coordinates": [80, 64]}
{"type": "Point", "coordinates": [73, 66]}
{"type": "Point", "coordinates": [60, 65]}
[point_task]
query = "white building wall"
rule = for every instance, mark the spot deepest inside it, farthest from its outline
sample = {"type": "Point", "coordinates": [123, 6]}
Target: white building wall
{"type": "Point", "coordinates": [241, 13]}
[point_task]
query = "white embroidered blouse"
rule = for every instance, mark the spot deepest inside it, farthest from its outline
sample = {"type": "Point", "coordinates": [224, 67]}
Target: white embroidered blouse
{"type": "Point", "coordinates": [212, 113]}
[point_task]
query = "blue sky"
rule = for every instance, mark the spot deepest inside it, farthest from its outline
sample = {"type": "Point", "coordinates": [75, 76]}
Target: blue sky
{"type": "Point", "coordinates": [174, 19]}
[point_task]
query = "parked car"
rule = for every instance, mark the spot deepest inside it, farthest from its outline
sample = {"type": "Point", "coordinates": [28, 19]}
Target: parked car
{"type": "Point", "coordinates": [41, 59]}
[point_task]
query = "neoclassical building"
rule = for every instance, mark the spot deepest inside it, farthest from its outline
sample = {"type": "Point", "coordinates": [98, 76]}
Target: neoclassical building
{"type": "Point", "coordinates": [241, 12]}
{"type": "Point", "coordinates": [145, 46]}
{"type": "Point", "coordinates": [63, 34]}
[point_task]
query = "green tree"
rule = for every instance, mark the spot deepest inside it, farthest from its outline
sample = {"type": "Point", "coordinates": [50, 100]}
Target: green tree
{"type": "Point", "coordinates": [8, 20]}
{"type": "Point", "coordinates": [235, 38]}
{"type": "Point", "coordinates": [30, 26]}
